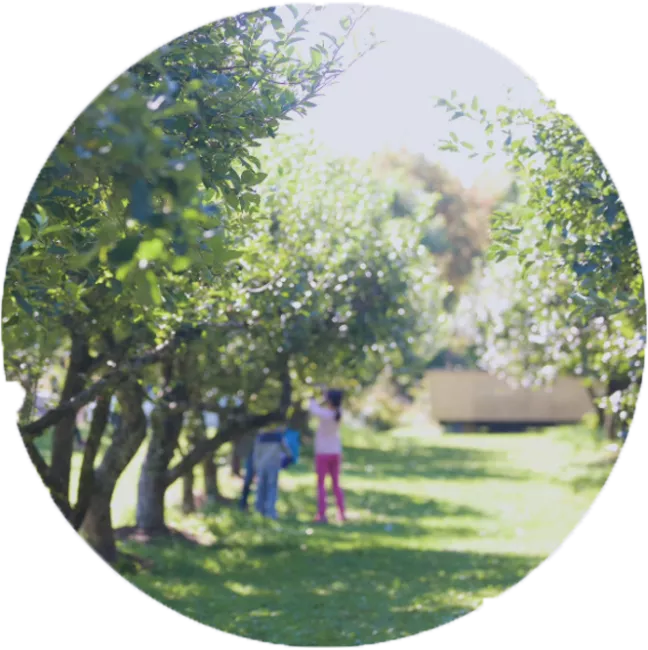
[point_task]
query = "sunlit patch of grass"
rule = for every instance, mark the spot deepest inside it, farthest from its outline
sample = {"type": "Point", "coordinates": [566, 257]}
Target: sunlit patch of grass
{"type": "Point", "coordinates": [438, 524]}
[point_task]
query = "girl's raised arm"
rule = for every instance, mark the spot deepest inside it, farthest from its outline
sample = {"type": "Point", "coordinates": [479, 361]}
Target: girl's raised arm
{"type": "Point", "coordinates": [319, 410]}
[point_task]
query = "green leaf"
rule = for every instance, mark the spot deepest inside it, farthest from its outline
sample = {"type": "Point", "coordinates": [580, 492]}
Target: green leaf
{"type": "Point", "coordinates": [457, 115]}
{"type": "Point", "coordinates": [475, 104]}
{"type": "Point", "coordinates": [140, 285]}
{"type": "Point", "coordinates": [316, 56]}
{"type": "Point", "coordinates": [57, 227]}
{"type": "Point", "coordinates": [293, 10]}
{"type": "Point", "coordinates": [140, 201]}
{"type": "Point", "coordinates": [151, 249]}
{"type": "Point", "coordinates": [276, 21]}
{"type": "Point", "coordinates": [154, 288]}
{"type": "Point", "coordinates": [580, 299]}
{"type": "Point", "coordinates": [232, 200]}
{"type": "Point", "coordinates": [181, 263]}
{"type": "Point", "coordinates": [23, 303]}
{"type": "Point", "coordinates": [24, 229]}
{"type": "Point", "coordinates": [229, 255]}
{"type": "Point", "coordinates": [187, 107]}
{"type": "Point", "coordinates": [454, 136]}
{"type": "Point", "coordinates": [124, 250]}
{"type": "Point", "coordinates": [122, 272]}
{"type": "Point", "coordinates": [40, 216]}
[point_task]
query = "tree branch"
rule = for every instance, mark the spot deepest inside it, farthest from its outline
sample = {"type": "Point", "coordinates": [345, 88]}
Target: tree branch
{"type": "Point", "coordinates": [39, 461]}
{"type": "Point", "coordinates": [116, 376]}
{"type": "Point", "coordinates": [231, 431]}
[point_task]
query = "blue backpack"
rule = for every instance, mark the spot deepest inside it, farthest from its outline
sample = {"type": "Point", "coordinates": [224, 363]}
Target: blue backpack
{"type": "Point", "coordinates": [292, 440]}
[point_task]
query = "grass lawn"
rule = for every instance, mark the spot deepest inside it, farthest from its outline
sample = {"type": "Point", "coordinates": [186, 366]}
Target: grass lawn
{"type": "Point", "coordinates": [439, 524]}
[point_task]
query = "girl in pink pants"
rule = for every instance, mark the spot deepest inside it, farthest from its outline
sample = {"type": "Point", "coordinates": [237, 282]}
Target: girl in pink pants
{"type": "Point", "coordinates": [328, 451]}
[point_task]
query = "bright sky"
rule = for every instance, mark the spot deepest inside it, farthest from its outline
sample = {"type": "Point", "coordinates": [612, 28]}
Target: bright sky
{"type": "Point", "coordinates": [386, 100]}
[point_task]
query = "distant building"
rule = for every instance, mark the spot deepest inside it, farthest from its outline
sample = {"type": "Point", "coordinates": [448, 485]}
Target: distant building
{"type": "Point", "coordinates": [470, 400]}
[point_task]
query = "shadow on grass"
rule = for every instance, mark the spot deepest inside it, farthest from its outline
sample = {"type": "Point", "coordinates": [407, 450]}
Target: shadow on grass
{"type": "Point", "coordinates": [430, 463]}
{"type": "Point", "coordinates": [310, 594]}
{"type": "Point", "coordinates": [594, 475]}
{"type": "Point", "coordinates": [410, 459]}
{"type": "Point", "coordinates": [584, 483]}
{"type": "Point", "coordinates": [380, 509]}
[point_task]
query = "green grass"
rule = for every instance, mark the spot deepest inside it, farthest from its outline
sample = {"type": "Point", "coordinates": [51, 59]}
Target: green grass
{"type": "Point", "coordinates": [440, 523]}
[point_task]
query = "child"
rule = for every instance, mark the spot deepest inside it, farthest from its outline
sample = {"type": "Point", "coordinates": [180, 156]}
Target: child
{"type": "Point", "coordinates": [291, 437]}
{"type": "Point", "coordinates": [267, 458]}
{"type": "Point", "coordinates": [328, 451]}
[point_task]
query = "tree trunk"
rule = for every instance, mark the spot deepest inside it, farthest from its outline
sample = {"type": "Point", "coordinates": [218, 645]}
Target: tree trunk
{"type": "Point", "coordinates": [97, 527]}
{"type": "Point", "coordinates": [610, 426]}
{"type": "Point", "coordinates": [151, 491]}
{"type": "Point", "coordinates": [198, 431]}
{"type": "Point", "coordinates": [616, 384]}
{"type": "Point", "coordinates": [188, 503]}
{"type": "Point", "coordinates": [87, 477]}
{"type": "Point", "coordinates": [210, 473]}
{"type": "Point", "coordinates": [236, 461]}
{"type": "Point", "coordinates": [166, 426]}
{"type": "Point", "coordinates": [600, 412]}
{"type": "Point", "coordinates": [97, 524]}
{"type": "Point", "coordinates": [63, 438]}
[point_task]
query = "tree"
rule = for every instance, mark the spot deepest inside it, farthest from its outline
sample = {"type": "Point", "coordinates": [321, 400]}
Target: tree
{"type": "Point", "coordinates": [566, 252]}
{"type": "Point", "coordinates": [145, 197]}
{"type": "Point", "coordinates": [457, 232]}
{"type": "Point", "coordinates": [338, 288]}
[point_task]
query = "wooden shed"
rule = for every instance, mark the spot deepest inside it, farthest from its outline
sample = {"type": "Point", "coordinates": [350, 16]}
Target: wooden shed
{"type": "Point", "coordinates": [471, 399]}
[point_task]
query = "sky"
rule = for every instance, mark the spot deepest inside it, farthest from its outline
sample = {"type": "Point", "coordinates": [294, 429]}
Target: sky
{"type": "Point", "coordinates": [386, 100]}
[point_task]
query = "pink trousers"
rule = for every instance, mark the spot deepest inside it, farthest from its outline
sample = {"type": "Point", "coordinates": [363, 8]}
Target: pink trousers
{"type": "Point", "coordinates": [328, 464]}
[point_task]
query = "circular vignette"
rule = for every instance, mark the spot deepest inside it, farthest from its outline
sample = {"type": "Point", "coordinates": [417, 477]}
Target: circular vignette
{"type": "Point", "coordinates": [114, 79]}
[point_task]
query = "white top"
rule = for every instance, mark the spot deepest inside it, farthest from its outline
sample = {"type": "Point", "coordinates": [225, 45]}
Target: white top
{"type": "Point", "coordinates": [327, 436]}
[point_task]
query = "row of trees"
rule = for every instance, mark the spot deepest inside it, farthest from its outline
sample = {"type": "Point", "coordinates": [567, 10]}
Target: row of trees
{"type": "Point", "coordinates": [130, 234]}
{"type": "Point", "coordinates": [173, 240]}
{"type": "Point", "coordinates": [562, 290]}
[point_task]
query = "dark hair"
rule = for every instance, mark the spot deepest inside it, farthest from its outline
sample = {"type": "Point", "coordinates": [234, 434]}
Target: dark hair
{"type": "Point", "coordinates": [334, 398]}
